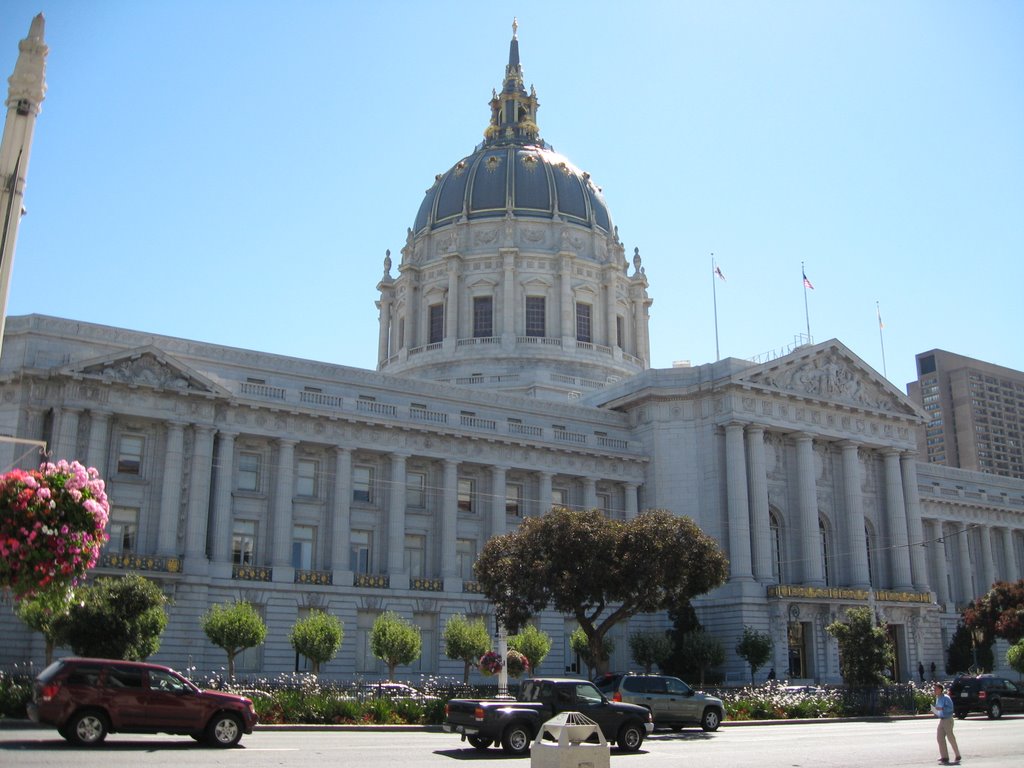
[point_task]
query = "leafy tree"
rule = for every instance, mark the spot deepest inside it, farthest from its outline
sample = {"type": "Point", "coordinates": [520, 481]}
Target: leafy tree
{"type": "Point", "coordinates": [703, 651]}
{"type": "Point", "coordinates": [116, 618]}
{"type": "Point", "coordinates": [599, 571]}
{"type": "Point", "coordinates": [684, 620]}
{"type": "Point", "coordinates": [756, 648]}
{"type": "Point", "coordinates": [581, 645]}
{"type": "Point", "coordinates": [1000, 612]}
{"type": "Point", "coordinates": [395, 641]}
{"type": "Point", "coordinates": [317, 637]}
{"type": "Point", "coordinates": [234, 627]}
{"type": "Point", "coordinates": [533, 643]}
{"type": "Point", "coordinates": [865, 651]}
{"type": "Point", "coordinates": [465, 641]}
{"type": "Point", "coordinates": [41, 613]}
{"type": "Point", "coordinates": [649, 648]}
{"type": "Point", "coordinates": [1015, 657]}
{"type": "Point", "coordinates": [962, 654]}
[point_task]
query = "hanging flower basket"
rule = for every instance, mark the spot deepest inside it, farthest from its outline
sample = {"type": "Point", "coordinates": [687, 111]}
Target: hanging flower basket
{"type": "Point", "coordinates": [52, 526]}
{"type": "Point", "coordinates": [517, 664]}
{"type": "Point", "coordinates": [490, 664]}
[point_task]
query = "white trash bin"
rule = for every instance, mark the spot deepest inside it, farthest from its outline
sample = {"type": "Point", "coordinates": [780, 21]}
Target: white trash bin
{"type": "Point", "coordinates": [570, 730]}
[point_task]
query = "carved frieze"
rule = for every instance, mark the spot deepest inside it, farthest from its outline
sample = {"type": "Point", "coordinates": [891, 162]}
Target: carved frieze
{"type": "Point", "coordinates": [830, 377]}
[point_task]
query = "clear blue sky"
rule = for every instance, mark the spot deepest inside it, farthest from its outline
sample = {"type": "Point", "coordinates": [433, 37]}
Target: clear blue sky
{"type": "Point", "coordinates": [233, 171]}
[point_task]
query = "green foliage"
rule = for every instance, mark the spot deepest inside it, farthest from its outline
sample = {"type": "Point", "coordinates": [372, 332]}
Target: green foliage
{"type": "Point", "coordinates": [582, 645]}
{"type": "Point", "coordinates": [115, 618]}
{"type": "Point", "coordinates": [234, 627]}
{"type": "Point", "coordinates": [41, 612]}
{"type": "Point", "coordinates": [756, 648]}
{"type": "Point", "coordinates": [465, 641]}
{"type": "Point", "coordinates": [533, 643]}
{"type": "Point", "coordinates": [582, 562]}
{"type": "Point", "coordinates": [1015, 657]}
{"type": "Point", "coordinates": [1000, 612]}
{"type": "Point", "coordinates": [395, 641]}
{"type": "Point", "coordinates": [15, 694]}
{"type": "Point", "coordinates": [703, 652]}
{"type": "Point", "coordinates": [649, 648]}
{"type": "Point", "coordinates": [962, 655]}
{"type": "Point", "coordinates": [865, 651]}
{"type": "Point", "coordinates": [317, 637]}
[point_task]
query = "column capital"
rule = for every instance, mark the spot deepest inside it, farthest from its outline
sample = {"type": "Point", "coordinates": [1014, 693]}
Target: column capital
{"type": "Point", "coordinates": [403, 455]}
{"type": "Point", "coordinates": [847, 445]}
{"type": "Point", "coordinates": [732, 426]}
{"type": "Point", "coordinates": [175, 424]}
{"type": "Point", "coordinates": [227, 434]}
{"type": "Point", "coordinates": [754, 428]}
{"type": "Point", "coordinates": [286, 442]}
{"type": "Point", "coordinates": [802, 437]}
{"type": "Point", "coordinates": [340, 450]}
{"type": "Point", "coordinates": [909, 454]}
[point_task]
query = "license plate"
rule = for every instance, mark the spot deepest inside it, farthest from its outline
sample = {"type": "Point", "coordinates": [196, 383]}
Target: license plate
{"type": "Point", "coordinates": [963, 694]}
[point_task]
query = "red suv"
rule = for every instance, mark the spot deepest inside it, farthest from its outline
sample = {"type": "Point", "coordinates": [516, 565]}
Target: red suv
{"type": "Point", "coordinates": [88, 698]}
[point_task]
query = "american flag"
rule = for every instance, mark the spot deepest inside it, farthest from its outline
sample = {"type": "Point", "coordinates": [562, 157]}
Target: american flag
{"type": "Point", "coordinates": [807, 283]}
{"type": "Point", "coordinates": [719, 273]}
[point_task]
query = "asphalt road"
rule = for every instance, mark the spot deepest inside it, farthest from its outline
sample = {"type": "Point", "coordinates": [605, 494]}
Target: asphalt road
{"type": "Point", "coordinates": [983, 743]}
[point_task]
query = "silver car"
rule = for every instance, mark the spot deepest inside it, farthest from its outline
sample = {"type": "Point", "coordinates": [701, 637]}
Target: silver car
{"type": "Point", "coordinates": [673, 703]}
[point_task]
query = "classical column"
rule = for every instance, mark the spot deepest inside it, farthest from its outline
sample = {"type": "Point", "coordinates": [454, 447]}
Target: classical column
{"type": "Point", "coordinates": [170, 496]}
{"type": "Point", "coordinates": [807, 500]}
{"type": "Point", "coordinates": [498, 493]}
{"type": "Point", "coordinates": [341, 520]}
{"type": "Point", "coordinates": [222, 485]}
{"type": "Point", "coordinates": [856, 541]}
{"type": "Point", "coordinates": [568, 310]}
{"type": "Point", "coordinates": [544, 494]}
{"type": "Point", "coordinates": [1010, 556]}
{"type": "Point", "coordinates": [987, 563]}
{"type": "Point", "coordinates": [198, 518]}
{"type": "Point", "coordinates": [396, 514]}
{"type": "Point", "coordinates": [912, 502]}
{"type": "Point", "coordinates": [629, 496]}
{"type": "Point", "coordinates": [449, 519]}
{"type": "Point", "coordinates": [384, 334]}
{"type": "Point", "coordinates": [67, 440]}
{"type": "Point", "coordinates": [589, 493]}
{"type": "Point", "coordinates": [937, 552]}
{"type": "Point", "coordinates": [964, 556]}
{"type": "Point", "coordinates": [508, 296]}
{"type": "Point", "coordinates": [760, 521]}
{"type": "Point", "coordinates": [608, 277]}
{"type": "Point", "coordinates": [738, 505]}
{"type": "Point", "coordinates": [282, 514]}
{"type": "Point", "coordinates": [451, 326]}
{"type": "Point", "coordinates": [899, 558]}
{"type": "Point", "coordinates": [99, 434]}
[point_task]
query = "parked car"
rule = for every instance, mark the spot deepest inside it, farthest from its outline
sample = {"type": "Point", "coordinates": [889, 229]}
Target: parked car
{"type": "Point", "coordinates": [673, 703]}
{"type": "Point", "coordinates": [810, 689]}
{"type": "Point", "coordinates": [88, 698]}
{"type": "Point", "coordinates": [985, 693]}
{"type": "Point", "coordinates": [393, 691]}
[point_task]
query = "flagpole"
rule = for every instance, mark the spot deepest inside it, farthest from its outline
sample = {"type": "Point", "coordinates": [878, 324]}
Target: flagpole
{"type": "Point", "coordinates": [714, 299]}
{"type": "Point", "coordinates": [881, 341]}
{"type": "Point", "coordinates": [807, 314]}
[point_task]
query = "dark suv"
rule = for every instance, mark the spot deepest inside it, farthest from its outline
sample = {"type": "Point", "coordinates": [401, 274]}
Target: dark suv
{"type": "Point", "coordinates": [88, 698]}
{"type": "Point", "coordinates": [985, 693]}
{"type": "Point", "coordinates": [673, 703]}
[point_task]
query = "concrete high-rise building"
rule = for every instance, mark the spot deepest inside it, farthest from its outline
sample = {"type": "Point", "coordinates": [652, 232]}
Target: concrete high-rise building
{"type": "Point", "coordinates": [975, 413]}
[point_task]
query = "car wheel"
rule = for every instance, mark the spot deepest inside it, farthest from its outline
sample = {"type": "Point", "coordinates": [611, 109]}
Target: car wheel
{"type": "Point", "coordinates": [711, 719]}
{"type": "Point", "coordinates": [630, 737]}
{"type": "Point", "coordinates": [479, 742]}
{"type": "Point", "coordinates": [225, 730]}
{"type": "Point", "coordinates": [87, 728]}
{"type": "Point", "coordinates": [995, 710]}
{"type": "Point", "coordinates": [516, 739]}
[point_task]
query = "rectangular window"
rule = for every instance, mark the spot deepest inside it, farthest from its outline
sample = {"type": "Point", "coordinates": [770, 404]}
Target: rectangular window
{"type": "Point", "coordinates": [535, 316]}
{"type": "Point", "coordinates": [306, 478]}
{"type": "Point", "coordinates": [559, 497]}
{"type": "Point", "coordinates": [583, 330]}
{"type": "Point", "coordinates": [435, 323]}
{"type": "Point", "coordinates": [514, 499]}
{"type": "Point", "coordinates": [243, 542]}
{"type": "Point", "coordinates": [360, 544]}
{"type": "Point", "coordinates": [416, 490]}
{"type": "Point", "coordinates": [604, 503]}
{"type": "Point", "coordinates": [123, 530]}
{"type": "Point", "coordinates": [465, 553]}
{"type": "Point", "coordinates": [620, 332]}
{"type": "Point", "coordinates": [129, 454]}
{"type": "Point", "coordinates": [249, 471]}
{"type": "Point", "coordinates": [303, 540]}
{"type": "Point", "coordinates": [483, 317]}
{"type": "Point", "coordinates": [362, 484]}
{"type": "Point", "coordinates": [415, 555]}
{"type": "Point", "coordinates": [466, 488]}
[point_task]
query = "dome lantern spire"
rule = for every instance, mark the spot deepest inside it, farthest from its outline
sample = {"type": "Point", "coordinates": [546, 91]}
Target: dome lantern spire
{"type": "Point", "coordinates": [513, 111]}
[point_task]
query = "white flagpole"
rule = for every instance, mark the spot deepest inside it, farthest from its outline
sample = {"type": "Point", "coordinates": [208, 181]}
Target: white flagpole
{"type": "Point", "coordinates": [714, 298]}
{"type": "Point", "coordinates": [881, 341]}
{"type": "Point", "coordinates": [807, 314]}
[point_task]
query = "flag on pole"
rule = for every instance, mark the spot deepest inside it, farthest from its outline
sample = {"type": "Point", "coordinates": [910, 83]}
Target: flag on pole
{"type": "Point", "coordinates": [807, 283]}
{"type": "Point", "coordinates": [719, 273]}
{"type": "Point", "coordinates": [880, 323]}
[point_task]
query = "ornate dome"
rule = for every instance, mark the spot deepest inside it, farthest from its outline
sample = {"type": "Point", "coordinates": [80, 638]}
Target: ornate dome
{"type": "Point", "coordinates": [513, 170]}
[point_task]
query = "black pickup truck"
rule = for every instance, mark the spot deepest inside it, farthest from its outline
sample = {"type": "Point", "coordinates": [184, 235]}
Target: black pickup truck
{"type": "Point", "coordinates": [514, 723]}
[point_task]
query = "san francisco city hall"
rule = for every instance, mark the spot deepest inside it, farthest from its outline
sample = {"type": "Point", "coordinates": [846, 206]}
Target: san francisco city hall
{"type": "Point", "coordinates": [513, 375]}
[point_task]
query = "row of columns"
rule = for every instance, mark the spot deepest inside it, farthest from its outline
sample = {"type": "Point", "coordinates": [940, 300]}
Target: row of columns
{"type": "Point", "coordinates": [948, 538]}
{"type": "Point", "coordinates": [749, 522]}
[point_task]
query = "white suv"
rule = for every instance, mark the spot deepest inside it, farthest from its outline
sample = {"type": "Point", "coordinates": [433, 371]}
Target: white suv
{"type": "Point", "coordinates": [673, 703]}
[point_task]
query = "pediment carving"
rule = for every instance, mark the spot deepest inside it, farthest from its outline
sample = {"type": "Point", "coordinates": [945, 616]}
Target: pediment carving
{"type": "Point", "coordinates": [146, 367]}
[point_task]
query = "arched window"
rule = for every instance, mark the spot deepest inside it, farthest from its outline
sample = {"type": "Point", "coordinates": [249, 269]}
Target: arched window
{"type": "Point", "coordinates": [776, 535]}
